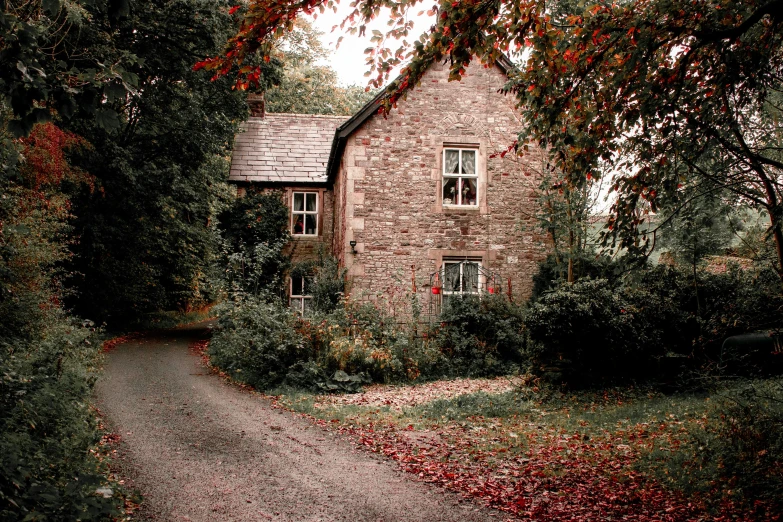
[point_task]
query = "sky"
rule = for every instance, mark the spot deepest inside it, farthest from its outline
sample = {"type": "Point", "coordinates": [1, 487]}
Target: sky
{"type": "Point", "coordinates": [349, 60]}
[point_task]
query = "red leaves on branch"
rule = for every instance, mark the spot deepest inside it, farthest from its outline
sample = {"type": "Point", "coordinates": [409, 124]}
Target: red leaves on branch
{"type": "Point", "coordinates": [45, 151]}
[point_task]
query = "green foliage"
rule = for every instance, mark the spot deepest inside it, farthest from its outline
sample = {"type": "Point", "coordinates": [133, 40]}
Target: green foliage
{"type": "Point", "coordinates": [254, 232]}
{"type": "Point", "coordinates": [552, 272]}
{"type": "Point", "coordinates": [326, 282]}
{"type": "Point", "coordinates": [56, 60]}
{"type": "Point", "coordinates": [563, 214]}
{"type": "Point", "coordinates": [481, 337]}
{"type": "Point", "coordinates": [47, 427]}
{"type": "Point", "coordinates": [592, 332]}
{"type": "Point", "coordinates": [48, 361]}
{"type": "Point", "coordinates": [306, 86]}
{"type": "Point", "coordinates": [737, 451]}
{"type": "Point", "coordinates": [257, 341]}
{"type": "Point", "coordinates": [145, 237]}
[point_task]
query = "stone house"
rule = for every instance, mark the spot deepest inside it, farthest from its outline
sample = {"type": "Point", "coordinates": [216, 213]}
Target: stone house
{"type": "Point", "coordinates": [418, 199]}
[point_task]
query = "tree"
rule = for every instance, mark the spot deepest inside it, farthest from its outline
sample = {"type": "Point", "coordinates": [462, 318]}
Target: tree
{"type": "Point", "coordinates": [145, 236]}
{"type": "Point", "coordinates": [658, 83]}
{"type": "Point", "coordinates": [564, 214]}
{"type": "Point", "coordinates": [306, 86]}
{"type": "Point", "coordinates": [56, 60]}
{"type": "Point", "coordinates": [701, 226]}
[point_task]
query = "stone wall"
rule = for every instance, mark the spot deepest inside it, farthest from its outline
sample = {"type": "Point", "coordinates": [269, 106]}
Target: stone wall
{"type": "Point", "coordinates": [388, 192]}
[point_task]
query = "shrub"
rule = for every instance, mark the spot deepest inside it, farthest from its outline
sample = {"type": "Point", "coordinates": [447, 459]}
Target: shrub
{"type": "Point", "coordinates": [553, 273]}
{"type": "Point", "coordinates": [257, 341]}
{"type": "Point", "coordinates": [326, 282]}
{"type": "Point", "coordinates": [254, 232]}
{"type": "Point", "coordinates": [657, 323]}
{"type": "Point", "coordinates": [361, 339]}
{"type": "Point", "coordinates": [589, 333]}
{"type": "Point", "coordinates": [481, 337]}
{"type": "Point", "coordinates": [47, 427]}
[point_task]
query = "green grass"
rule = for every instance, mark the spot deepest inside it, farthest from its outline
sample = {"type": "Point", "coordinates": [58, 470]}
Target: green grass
{"type": "Point", "coordinates": [668, 435]}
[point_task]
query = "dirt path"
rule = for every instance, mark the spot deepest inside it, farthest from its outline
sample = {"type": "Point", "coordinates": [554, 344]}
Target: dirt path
{"type": "Point", "coordinates": [202, 450]}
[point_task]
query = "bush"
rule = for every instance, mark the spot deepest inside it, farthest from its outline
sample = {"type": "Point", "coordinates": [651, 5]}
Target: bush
{"type": "Point", "coordinates": [47, 427]}
{"type": "Point", "coordinates": [326, 282]}
{"type": "Point", "coordinates": [551, 273]}
{"type": "Point", "coordinates": [263, 343]}
{"type": "Point", "coordinates": [589, 333]}
{"type": "Point", "coordinates": [257, 341]}
{"type": "Point", "coordinates": [481, 337]}
{"type": "Point", "coordinates": [361, 339]}
{"type": "Point", "coordinates": [657, 323]}
{"type": "Point", "coordinates": [254, 232]}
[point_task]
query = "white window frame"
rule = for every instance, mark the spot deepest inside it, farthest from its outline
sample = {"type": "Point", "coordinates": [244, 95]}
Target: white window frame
{"type": "Point", "coordinates": [446, 294]}
{"type": "Point", "coordinates": [304, 213]}
{"type": "Point", "coordinates": [300, 307]}
{"type": "Point", "coordinates": [446, 176]}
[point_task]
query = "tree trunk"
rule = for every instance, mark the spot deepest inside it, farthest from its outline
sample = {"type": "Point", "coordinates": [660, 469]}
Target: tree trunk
{"type": "Point", "coordinates": [777, 234]}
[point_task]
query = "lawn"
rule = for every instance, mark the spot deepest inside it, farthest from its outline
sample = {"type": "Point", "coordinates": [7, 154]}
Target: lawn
{"type": "Point", "coordinates": [538, 453]}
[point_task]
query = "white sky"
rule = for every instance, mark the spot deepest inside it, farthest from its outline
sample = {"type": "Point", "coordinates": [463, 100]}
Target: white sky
{"type": "Point", "coordinates": [349, 60]}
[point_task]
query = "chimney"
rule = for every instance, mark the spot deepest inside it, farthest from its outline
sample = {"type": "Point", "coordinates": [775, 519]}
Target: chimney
{"type": "Point", "coordinates": [257, 105]}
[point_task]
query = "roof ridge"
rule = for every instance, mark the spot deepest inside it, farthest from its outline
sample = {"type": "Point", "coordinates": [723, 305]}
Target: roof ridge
{"type": "Point", "coordinates": [297, 114]}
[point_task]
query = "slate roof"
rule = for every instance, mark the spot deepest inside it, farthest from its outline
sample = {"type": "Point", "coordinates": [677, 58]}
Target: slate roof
{"type": "Point", "coordinates": [284, 148]}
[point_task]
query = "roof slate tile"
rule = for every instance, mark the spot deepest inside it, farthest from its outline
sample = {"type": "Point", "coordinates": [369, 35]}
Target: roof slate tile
{"type": "Point", "coordinates": [284, 148]}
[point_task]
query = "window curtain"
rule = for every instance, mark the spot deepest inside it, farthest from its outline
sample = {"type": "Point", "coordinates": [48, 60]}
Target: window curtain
{"type": "Point", "coordinates": [452, 162]}
{"type": "Point", "coordinates": [468, 162]}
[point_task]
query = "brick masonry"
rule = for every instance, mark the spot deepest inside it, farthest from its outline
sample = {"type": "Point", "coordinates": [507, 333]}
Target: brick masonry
{"type": "Point", "coordinates": [387, 193]}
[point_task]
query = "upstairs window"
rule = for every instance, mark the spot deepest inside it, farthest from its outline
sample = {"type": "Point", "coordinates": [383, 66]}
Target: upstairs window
{"type": "Point", "coordinates": [300, 296]}
{"type": "Point", "coordinates": [460, 178]}
{"type": "Point", "coordinates": [304, 214]}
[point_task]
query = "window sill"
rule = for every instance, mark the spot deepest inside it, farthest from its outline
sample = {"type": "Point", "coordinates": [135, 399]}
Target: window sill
{"type": "Point", "coordinates": [306, 237]}
{"type": "Point", "coordinates": [460, 208]}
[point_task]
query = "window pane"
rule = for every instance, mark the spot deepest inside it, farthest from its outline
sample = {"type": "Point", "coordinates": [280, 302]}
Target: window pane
{"type": "Point", "coordinates": [468, 161]}
{"type": "Point", "coordinates": [310, 224]}
{"type": "Point", "coordinates": [451, 282]}
{"type": "Point", "coordinates": [298, 224]}
{"type": "Point", "coordinates": [451, 162]}
{"type": "Point", "coordinates": [306, 305]}
{"type": "Point", "coordinates": [450, 191]}
{"type": "Point", "coordinates": [445, 302]}
{"type": "Point", "coordinates": [468, 191]}
{"type": "Point", "coordinates": [298, 201]}
{"type": "Point", "coordinates": [310, 202]}
{"type": "Point", "coordinates": [296, 286]}
{"type": "Point", "coordinates": [296, 304]}
{"type": "Point", "coordinates": [306, 285]}
{"type": "Point", "coordinates": [470, 278]}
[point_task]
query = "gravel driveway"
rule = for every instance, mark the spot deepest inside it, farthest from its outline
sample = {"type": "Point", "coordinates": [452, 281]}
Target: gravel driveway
{"type": "Point", "coordinates": [202, 450]}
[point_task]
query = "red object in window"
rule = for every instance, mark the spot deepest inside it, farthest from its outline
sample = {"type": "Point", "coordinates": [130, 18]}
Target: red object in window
{"type": "Point", "coordinates": [435, 290]}
{"type": "Point", "coordinates": [491, 290]}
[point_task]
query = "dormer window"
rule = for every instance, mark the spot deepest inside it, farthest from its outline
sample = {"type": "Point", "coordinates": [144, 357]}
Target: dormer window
{"type": "Point", "coordinates": [304, 214]}
{"type": "Point", "coordinates": [460, 178]}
